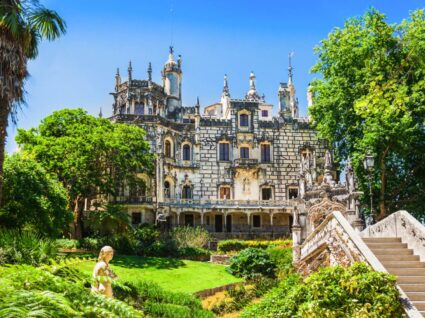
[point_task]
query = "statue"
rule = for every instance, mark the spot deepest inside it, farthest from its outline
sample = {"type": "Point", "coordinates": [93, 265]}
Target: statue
{"type": "Point", "coordinates": [349, 176]}
{"type": "Point", "coordinates": [102, 274]}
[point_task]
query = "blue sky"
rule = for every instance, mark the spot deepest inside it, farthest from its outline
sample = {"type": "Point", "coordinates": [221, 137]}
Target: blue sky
{"type": "Point", "coordinates": [214, 37]}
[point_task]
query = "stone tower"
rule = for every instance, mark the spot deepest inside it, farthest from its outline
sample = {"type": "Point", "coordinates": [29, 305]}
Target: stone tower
{"type": "Point", "coordinates": [288, 104]}
{"type": "Point", "coordinates": [172, 82]}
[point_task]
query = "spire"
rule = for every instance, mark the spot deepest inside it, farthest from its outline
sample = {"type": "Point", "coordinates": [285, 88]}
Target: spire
{"type": "Point", "coordinates": [197, 106]}
{"type": "Point", "coordinates": [117, 79]}
{"type": "Point", "coordinates": [130, 72]}
{"type": "Point", "coordinates": [226, 91]}
{"type": "Point", "coordinates": [252, 81]}
{"type": "Point", "coordinates": [290, 55]}
{"type": "Point", "coordinates": [171, 54]}
{"type": "Point", "coordinates": [100, 113]}
{"type": "Point", "coordinates": [252, 93]}
{"type": "Point", "coordinates": [150, 72]}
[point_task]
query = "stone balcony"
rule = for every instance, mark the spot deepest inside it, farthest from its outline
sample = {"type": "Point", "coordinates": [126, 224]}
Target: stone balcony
{"type": "Point", "coordinates": [245, 162]}
{"type": "Point", "coordinates": [132, 200]}
{"type": "Point", "coordinates": [186, 164]}
{"type": "Point", "coordinates": [226, 204]}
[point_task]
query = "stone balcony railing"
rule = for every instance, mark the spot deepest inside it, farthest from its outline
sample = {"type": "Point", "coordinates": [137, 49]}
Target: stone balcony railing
{"type": "Point", "coordinates": [237, 204]}
{"type": "Point", "coordinates": [245, 162]}
{"type": "Point", "coordinates": [186, 164]}
{"type": "Point", "coordinates": [132, 200]}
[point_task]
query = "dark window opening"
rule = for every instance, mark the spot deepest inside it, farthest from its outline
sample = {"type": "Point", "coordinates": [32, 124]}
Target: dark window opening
{"type": "Point", "coordinates": [264, 113]}
{"type": "Point", "coordinates": [186, 152]}
{"type": "Point", "coordinates": [139, 109]}
{"type": "Point", "coordinates": [167, 189]}
{"type": "Point", "coordinates": [187, 192]}
{"type": "Point", "coordinates": [244, 152]}
{"type": "Point", "coordinates": [189, 220]}
{"type": "Point", "coordinates": [265, 153]}
{"type": "Point", "coordinates": [293, 193]}
{"type": "Point", "coordinates": [244, 120]}
{"type": "Point", "coordinates": [256, 221]}
{"type": "Point", "coordinates": [168, 148]}
{"type": "Point", "coordinates": [224, 152]}
{"type": "Point", "coordinates": [136, 218]}
{"type": "Point", "coordinates": [225, 193]}
{"type": "Point", "coordinates": [266, 193]}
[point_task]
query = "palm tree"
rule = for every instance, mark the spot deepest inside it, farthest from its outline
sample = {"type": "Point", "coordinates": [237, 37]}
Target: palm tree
{"type": "Point", "coordinates": [23, 24]}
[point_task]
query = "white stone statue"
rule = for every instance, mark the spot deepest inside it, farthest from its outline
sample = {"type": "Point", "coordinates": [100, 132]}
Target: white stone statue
{"type": "Point", "coordinates": [102, 274]}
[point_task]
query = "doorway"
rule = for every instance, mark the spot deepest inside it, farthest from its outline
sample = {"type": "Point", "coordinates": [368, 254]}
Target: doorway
{"type": "Point", "coordinates": [228, 223]}
{"type": "Point", "coordinates": [219, 223]}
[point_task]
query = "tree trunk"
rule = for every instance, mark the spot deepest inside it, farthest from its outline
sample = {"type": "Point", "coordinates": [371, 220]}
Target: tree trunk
{"type": "Point", "coordinates": [382, 205]}
{"type": "Point", "coordinates": [4, 116]}
{"type": "Point", "coordinates": [78, 233]}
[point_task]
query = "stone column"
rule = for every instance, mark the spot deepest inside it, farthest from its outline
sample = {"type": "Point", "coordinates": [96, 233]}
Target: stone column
{"type": "Point", "coordinates": [202, 218]}
{"type": "Point", "coordinates": [178, 218]}
{"type": "Point", "coordinates": [296, 237]}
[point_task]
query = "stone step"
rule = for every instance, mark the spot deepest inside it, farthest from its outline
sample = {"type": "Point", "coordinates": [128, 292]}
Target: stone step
{"type": "Point", "coordinates": [420, 305]}
{"type": "Point", "coordinates": [406, 271]}
{"type": "Point", "coordinates": [412, 287]}
{"type": "Point", "coordinates": [391, 245]}
{"type": "Point", "coordinates": [403, 264]}
{"type": "Point", "coordinates": [411, 258]}
{"type": "Point", "coordinates": [414, 296]}
{"type": "Point", "coordinates": [397, 251]}
{"type": "Point", "coordinates": [411, 280]}
{"type": "Point", "coordinates": [382, 240]}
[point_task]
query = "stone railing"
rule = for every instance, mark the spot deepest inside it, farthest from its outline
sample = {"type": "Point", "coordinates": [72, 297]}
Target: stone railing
{"type": "Point", "coordinates": [252, 204]}
{"type": "Point", "coordinates": [132, 200]}
{"type": "Point", "coordinates": [245, 162]}
{"type": "Point", "coordinates": [403, 225]}
{"type": "Point", "coordinates": [335, 242]}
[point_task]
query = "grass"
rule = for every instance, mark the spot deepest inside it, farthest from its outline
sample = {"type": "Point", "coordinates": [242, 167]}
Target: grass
{"type": "Point", "coordinates": [171, 274]}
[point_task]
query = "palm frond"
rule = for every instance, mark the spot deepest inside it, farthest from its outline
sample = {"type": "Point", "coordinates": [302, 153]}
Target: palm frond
{"type": "Point", "coordinates": [47, 23]}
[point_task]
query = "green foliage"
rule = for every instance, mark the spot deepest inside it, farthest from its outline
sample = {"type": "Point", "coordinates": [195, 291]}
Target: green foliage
{"type": "Point", "coordinates": [25, 248]}
{"type": "Point", "coordinates": [371, 98]}
{"type": "Point", "coordinates": [356, 291]}
{"type": "Point", "coordinates": [282, 257]}
{"type": "Point", "coordinates": [252, 261]}
{"type": "Point", "coordinates": [32, 198]}
{"type": "Point", "coordinates": [225, 246]}
{"type": "Point", "coordinates": [90, 156]}
{"type": "Point", "coordinates": [111, 221]}
{"type": "Point", "coordinates": [26, 291]}
{"type": "Point", "coordinates": [67, 243]}
{"type": "Point", "coordinates": [195, 253]}
{"type": "Point", "coordinates": [188, 236]}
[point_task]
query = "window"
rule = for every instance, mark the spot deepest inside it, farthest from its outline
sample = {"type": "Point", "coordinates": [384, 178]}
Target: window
{"type": "Point", "coordinates": [136, 218]}
{"type": "Point", "coordinates": [244, 120]}
{"type": "Point", "coordinates": [225, 193]}
{"type": "Point", "coordinates": [138, 109]}
{"type": "Point", "coordinates": [167, 192]}
{"type": "Point", "coordinates": [244, 152]}
{"type": "Point", "coordinates": [266, 193]}
{"type": "Point", "coordinates": [224, 151]}
{"type": "Point", "coordinates": [265, 153]}
{"type": "Point", "coordinates": [187, 192]}
{"type": "Point", "coordinates": [293, 193]}
{"type": "Point", "coordinates": [256, 221]}
{"type": "Point", "coordinates": [186, 152]}
{"type": "Point", "coordinates": [264, 113]}
{"type": "Point", "coordinates": [189, 220]}
{"type": "Point", "coordinates": [168, 148]}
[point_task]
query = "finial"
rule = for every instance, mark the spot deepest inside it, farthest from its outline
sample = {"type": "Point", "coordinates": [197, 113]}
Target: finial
{"type": "Point", "coordinates": [100, 113]}
{"type": "Point", "coordinates": [290, 55]}
{"type": "Point", "coordinates": [171, 49]}
{"type": "Point", "coordinates": [197, 101]}
{"type": "Point", "coordinates": [252, 80]}
{"type": "Point", "coordinates": [150, 71]}
{"type": "Point", "coordinates": [226, 86]}
{"type": "Point", "coordinates": [118, 72]}
{"type": "Point", "coordinates": [117, 79]}
{"type": "Point", "coordinates": [130, 72]}
{"type": "Point", "coordinates": [179, 60]}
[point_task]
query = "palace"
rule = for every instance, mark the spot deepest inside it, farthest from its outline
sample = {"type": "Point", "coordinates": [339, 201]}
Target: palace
{"type": "Point", "coordinates": [234, 169]}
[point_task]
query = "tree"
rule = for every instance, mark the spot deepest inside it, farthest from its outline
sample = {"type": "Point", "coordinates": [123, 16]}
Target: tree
{"type": "Point", "coordinates": [371, 98]}
{"type": "Point", "coordinates": [23, 24]}
{"type": "Point", "coordinates": [91, 156]}
{"type": "Point", "coordinates": [32, 198]}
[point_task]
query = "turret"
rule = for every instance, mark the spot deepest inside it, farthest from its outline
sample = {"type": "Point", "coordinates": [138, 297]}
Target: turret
{"type": "Point", "coordinates": [288, 104]}
{"type": "Point", "coordinates": [172, 79]}
{"type": "Point", "coordinates": [225, 99]}
{"type": "Point", "coordinates": [117, 80]}
{"type": "Point", "coordinates": [252, 92]}
{"type": "Point", "coordinates": [130, 73]}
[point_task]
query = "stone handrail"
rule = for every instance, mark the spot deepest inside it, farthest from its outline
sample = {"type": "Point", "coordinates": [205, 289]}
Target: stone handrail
{"type": "Point", "coordinates": [337, 237]}
{"type": "Point", "coordinates": [403, 225]}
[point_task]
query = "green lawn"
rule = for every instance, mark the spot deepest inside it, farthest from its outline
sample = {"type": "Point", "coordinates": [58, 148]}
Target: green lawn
{"type": "Point", "coordinates": [171, 274]}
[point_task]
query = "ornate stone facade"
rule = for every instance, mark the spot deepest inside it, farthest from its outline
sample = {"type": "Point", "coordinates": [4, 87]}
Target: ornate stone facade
{"type": "Point", "coordinates": [235, 168]}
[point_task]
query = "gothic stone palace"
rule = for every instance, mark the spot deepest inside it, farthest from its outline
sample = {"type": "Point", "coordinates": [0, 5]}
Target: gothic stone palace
{"type": "Point", "coordinates": [235, 169]}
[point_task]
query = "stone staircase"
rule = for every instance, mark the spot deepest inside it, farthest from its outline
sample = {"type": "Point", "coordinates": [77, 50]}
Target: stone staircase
{"type": "Point", "coordinates": [399, 260]}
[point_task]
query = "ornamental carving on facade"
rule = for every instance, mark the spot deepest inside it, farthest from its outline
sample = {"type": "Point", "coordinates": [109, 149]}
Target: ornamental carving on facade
{"type": "Point", "coordinates": [318, 212]}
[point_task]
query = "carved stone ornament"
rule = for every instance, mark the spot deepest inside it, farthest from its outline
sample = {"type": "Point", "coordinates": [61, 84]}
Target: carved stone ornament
{"type": "Point", "coordinates": [318, 212]}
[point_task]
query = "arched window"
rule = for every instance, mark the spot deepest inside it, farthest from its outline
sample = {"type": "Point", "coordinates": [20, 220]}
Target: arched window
{"type": "Point", "coordinates": [186, 152]}
{"type": "Point", "coordinates": [167, 191]}
{"type": "Point", "coordinates": [187, 192]}
{"type": "Point", "coordinates": [243, 120]}
{"type": "Point", "coordinates": [168, 148]}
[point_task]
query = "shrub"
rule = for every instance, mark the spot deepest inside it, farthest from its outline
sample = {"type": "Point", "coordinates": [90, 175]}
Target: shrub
{"type": "Point", "coordinates": [25, 248]}
{"type": "Point", "coordinates": [356, 291]}
{"type": "Point", "coordinates": [238, 245]}
{"type": "Point", "coordinates": [282, 257]}
{"type": "Point", "coordinates": [67, 243]}
{"type": "Point", "coordinates": [147, 237]}
{"type": "Point", "coordinates": [91, 243]}
{"type": "Point", "coordinates": [188, 236]}
{"type": "Point", "coordinates": [195, 253]}
{"type": "Point", "coordinates": [252, 261]}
